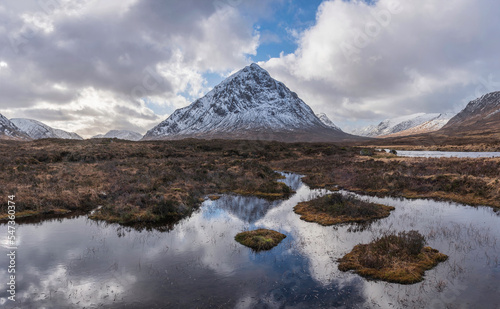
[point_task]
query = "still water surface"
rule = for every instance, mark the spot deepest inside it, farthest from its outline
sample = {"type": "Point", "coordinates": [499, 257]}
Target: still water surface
{"type": "Point", "coordinates": [79, 263]}
{"type": "Point", "coordinates": [446, 154]}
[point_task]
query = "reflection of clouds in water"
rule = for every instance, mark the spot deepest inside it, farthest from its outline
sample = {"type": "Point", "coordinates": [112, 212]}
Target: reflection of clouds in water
{"type": "Point", "coordinates": [454, 229]}
{"type": "Point", "coordinates": [466, 234]}
{"type": "Point", "coordinates": [82, 260]}
{"type": "Point", "coordinates": [211, 241]}
{"type": "Point", "coordinates": [58, 288]}
{"type": "Point", "coordinates": [314, 241]}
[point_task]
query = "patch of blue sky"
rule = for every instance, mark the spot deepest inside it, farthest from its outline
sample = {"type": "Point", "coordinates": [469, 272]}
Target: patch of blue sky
{"type": "Point", "coordinates": [158, 107]}
{"type": "Point", "coordinates": [279, 32]}
{"type": "Point", "coordinates": [213, 79]}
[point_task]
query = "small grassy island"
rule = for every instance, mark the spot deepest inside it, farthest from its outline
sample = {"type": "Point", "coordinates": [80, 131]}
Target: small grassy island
{"type": "Point", "coordinates": [261, 239]}
{"type": "Point", "coordinates": [337, 208]}
{"type": "Point", "coordinates": [399, 258]}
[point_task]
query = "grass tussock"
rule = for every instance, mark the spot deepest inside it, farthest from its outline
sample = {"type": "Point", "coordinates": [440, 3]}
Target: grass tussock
{"type": "Point", "coordinates": [337, 208]}
{"type": "Point", "coordinates": [261, 239]}
{"type": "Point", "coordinates": [399, 258]}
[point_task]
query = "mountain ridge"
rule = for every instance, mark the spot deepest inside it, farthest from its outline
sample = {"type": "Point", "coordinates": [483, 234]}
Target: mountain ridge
{"type": "Point", "coordinates": [38, 130]}
{"type": "Point", "coordinates": [10, 131]}
{"type": "Point", "coordinates": [429, 126]}
{"type": "Point", "coordinates": [479, 112]}
{"type": "Point", "coordinates": [324, 118]}
{"type": "Point", "coordinates": [249, 104]}
{"type": "Point", "coordinates": [405, 125]}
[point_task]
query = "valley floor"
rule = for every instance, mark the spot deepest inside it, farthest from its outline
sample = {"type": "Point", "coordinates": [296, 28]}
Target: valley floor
{"type": "Point", "coordinates": [154, 182]}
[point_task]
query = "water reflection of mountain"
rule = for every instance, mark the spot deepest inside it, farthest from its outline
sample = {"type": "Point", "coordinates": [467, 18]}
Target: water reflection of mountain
{"type": "Point", "coordinates": [77, 262]}
{"type": "Point", "coordinates": [250, 209]}
{"type": "Point", "coordinates": [246, 208]}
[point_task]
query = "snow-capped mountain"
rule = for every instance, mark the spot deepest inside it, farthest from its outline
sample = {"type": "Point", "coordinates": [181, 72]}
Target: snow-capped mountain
{"type": "Point", "coordinates": [9, 130]}
{"type": "Point", "coordinates": [398, 124]}
{"type": "Point", "coordinates": [121, 134]}
{"type": "Point", "coordinates": [426, 127]}
{"type": "Point", "coordinates": [324, 118]}
{"type": "Point", "coordinates": [250, 104]}
{"type": "Point", "coordinates": [37, 130]}
{"type": "Point", "coordinates": [481, 113]}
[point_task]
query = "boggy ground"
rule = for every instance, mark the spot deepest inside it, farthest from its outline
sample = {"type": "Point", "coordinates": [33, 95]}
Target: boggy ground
{"type": "Point", "coordinates": [157, 181]}
{"type": "Point", "coordinates": [134, 182]}
{"type": "Point", "coordinates": [337, 208]}
{"type": "Point", "coordinates": [463, 180]}
{"type": "Point", "coordinates": [400, 258]}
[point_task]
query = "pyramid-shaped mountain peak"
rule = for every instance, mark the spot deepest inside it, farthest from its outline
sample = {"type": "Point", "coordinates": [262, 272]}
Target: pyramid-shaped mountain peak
{"type": "Point", "coordinates": [249, 104]}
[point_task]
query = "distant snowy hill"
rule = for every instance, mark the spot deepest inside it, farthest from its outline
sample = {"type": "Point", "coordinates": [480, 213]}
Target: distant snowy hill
{"type": "Point", "coordinates": [250, 104]}
{"type": "Point", "coordinates": [426, 127]}
{"type": "Point", "coordinates": [121, 134]}
{"type": "Point", "coordinates": [420, 121]}
{"type": "Point", "coordinates": [9, 130]}
{"type": "Point", "coordinates": [37, 130]}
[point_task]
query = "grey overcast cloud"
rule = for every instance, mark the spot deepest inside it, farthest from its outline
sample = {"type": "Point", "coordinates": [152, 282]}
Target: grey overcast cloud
{"type": "Point", "coordinates": [91, 66]}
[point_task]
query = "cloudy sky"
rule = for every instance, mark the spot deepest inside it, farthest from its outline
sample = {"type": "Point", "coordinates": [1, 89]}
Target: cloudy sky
{"type": "Point", "coordinates": [90, 66]}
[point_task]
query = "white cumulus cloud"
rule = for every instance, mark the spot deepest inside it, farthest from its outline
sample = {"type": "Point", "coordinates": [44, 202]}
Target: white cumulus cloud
{"type": "Point", "coordinates": [361, 62]}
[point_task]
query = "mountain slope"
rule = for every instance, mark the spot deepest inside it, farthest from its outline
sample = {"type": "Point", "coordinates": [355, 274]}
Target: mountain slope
{"type": "Point", "coordinates": [9, 130]}
{"type": "Point", "coordinates": [395, 125]}
{"type": "Point", "coordinates": [37, 130]}
{"type": "Point", "coordinates": [476, 127]}
{"type": "Point", "coordinates": [480, 115]}
{"type": "Point", "coordinates": [426, 127]}
{"type": "Point", "coordinates": [250, 104]}
{"type": "Point", "coordinates": [324, 118]}
{"type": "Point", "coordinates": [121, 134]}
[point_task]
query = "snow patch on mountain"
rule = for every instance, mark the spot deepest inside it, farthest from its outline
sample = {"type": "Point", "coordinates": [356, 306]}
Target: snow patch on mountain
{"type": "Point", "coordinates": [37, 130]}
{"type": "Point", "coordinates": [324, 118]}
{"type": "Point", "coordinates": [248, 102]}
{"type": "Point", "coordinates": [426, 127]}
{"type": "Point", "coordinates": [121, 134]}
{"type": "Point", "coordinates": [493, 113]}
{"type": "Point", "coordinates": [9, 130]}
{"type": "Point", "coordinates": [398, 124]}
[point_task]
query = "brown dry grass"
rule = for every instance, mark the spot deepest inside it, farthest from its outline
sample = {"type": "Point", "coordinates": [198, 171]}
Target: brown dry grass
{"type": "Point", "coordinates": [145, 182]}
{"type": "Point", "coordinates": [336, 208]}
{"type": "Point", "coordinates": [399, 258]}
{"type": "Point", "coordinates": [134, 182]}
{"type": "Point", "coordinates": [463, 180]}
